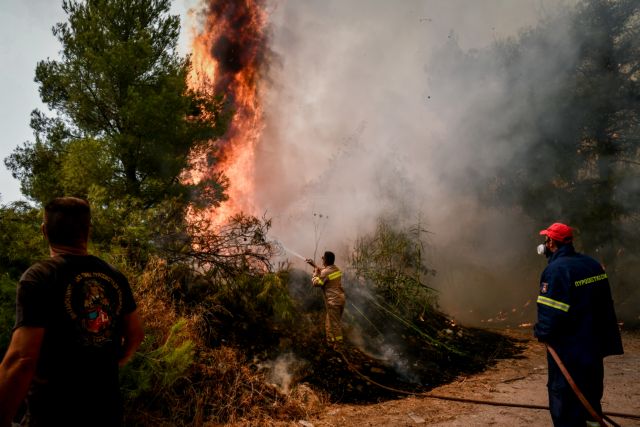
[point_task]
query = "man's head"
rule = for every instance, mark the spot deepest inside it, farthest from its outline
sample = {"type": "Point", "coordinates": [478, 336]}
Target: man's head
{"type": "Point", "coordinates": [67, 221]}
{"type": "Point", "coordinates": [557, 235]}
{"type": "Point", "coordinates": [328, 258]}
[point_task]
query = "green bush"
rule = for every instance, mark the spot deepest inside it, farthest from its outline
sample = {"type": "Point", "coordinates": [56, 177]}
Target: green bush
{"type": "Point", "coordinates": [21, 241]}
{"type": "Point", "coordinates": [7, 310]}
{"type": "Point", "coordinates": [154, 369]}
{"type": "Point", "coordinates": [392, 261]}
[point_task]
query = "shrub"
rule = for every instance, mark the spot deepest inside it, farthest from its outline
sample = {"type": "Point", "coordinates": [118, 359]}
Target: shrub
{"type": "Point", "coordinates": [392, 261]}
{"type": "Point", "coordinates": [177, 378]}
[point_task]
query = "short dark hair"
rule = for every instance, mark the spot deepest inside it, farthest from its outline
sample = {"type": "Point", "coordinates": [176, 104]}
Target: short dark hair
{"type": "Point", "coordinates": [67, 221]}
{"type": "Point", "coordinates": [329, 257]}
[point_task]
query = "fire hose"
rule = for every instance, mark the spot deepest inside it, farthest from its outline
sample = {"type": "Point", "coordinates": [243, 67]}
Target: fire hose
{"type": "Point", "coordinates": [577, 391]}
{"type": "Point", "coordinates": [555, 356]}
{"type": "Point", "coordinates": [494, 403]}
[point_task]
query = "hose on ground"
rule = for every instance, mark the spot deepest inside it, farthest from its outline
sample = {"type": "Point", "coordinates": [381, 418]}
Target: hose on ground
{"type": "Point", "coordinates": [465, 400]}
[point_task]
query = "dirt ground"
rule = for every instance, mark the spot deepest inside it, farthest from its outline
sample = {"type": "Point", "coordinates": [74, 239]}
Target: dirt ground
{"type": "Point", "coordinates": [519, 380]}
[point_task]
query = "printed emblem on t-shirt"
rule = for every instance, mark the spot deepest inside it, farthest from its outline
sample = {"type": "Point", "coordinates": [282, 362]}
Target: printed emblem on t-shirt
{"type": "Point", "coordinates": [544, 287]}
{"type": "Point", "coordinates": [92, 301]}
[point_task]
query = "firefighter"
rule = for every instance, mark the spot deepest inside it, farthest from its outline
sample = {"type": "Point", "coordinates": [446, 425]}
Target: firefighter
{"type": "Point", "coordinates": [329, 278]}
{"type": "Point", "coordinates": [576, 318]}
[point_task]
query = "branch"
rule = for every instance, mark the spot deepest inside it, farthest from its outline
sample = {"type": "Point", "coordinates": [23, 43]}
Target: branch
{"type": "Point", "coordinates": [633, 162]}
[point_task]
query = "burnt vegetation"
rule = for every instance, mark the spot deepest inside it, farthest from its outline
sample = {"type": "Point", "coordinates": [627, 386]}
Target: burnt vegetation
{"type": "Point", "coordinates": [242, 344]}
{"type": "Point", "coordinates": [231, 336]}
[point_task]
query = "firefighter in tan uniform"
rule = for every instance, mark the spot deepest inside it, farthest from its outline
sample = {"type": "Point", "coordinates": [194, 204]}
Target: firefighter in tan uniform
{"type": "Point", "coordinates": [329, 278]}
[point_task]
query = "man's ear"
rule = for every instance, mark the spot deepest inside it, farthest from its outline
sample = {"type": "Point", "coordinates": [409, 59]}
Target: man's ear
{"type": "Point", "coordinates": [44, 231]}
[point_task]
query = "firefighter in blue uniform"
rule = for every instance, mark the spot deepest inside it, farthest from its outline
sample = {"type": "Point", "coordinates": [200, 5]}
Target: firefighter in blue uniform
{"type": "Point", "coordinates": [575, 317]}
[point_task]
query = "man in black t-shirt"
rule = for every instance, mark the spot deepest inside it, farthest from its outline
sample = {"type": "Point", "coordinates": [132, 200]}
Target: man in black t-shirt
{"type": "Point", "coordinates": [76, 322]}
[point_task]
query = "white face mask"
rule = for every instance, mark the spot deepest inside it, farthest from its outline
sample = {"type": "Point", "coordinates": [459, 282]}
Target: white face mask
{"type": "Point", "coordinates": [541, 249]}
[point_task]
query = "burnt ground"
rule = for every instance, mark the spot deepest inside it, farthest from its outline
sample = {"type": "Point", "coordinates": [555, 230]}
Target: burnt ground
{"type": "Point", "coordinates": [411, 357]}
{"type": "Point", "coordinates": [389, 360]}
{"type": "Point", "coordinates": [362, 375]}
{"type": "Point", "coordinates": [521, 380]}
{"type": "Point", "coordinates": [383, 346]}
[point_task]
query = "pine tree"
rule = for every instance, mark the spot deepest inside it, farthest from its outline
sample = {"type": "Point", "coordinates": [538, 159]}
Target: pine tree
{"type": "Point", "coordinates": [125, 120]}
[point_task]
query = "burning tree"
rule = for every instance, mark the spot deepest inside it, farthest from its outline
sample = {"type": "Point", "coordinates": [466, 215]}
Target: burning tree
{"type": "Point", "coordinates": [125, 121]}
{"type": "Point", "coordinates": [228, 56]}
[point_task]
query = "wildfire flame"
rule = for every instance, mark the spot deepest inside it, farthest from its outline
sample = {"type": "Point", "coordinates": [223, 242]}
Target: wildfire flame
{"type": "Point", "coordinates": [227, 55]}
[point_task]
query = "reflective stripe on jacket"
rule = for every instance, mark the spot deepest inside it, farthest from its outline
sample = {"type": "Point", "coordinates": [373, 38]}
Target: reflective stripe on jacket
{"type": "Point", "coordinates": [330, 280]}
{"type": "Point", "coordinates": [575, 309]}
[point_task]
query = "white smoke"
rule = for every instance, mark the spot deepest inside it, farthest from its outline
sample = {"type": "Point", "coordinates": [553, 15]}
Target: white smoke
{"type": "Point", "coordinates": [284, 371]}
{"type": "Point", "coordinates": [403, 109]}
{"type": "Point", "coordinates": [369, 113]}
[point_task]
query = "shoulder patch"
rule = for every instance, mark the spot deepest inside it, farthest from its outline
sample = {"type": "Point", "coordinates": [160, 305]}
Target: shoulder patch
{"type": "Point", "coordinates": [544, 287]}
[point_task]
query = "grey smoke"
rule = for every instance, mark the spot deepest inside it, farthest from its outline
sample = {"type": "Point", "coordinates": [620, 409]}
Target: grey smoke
{"type": "Point", "coordinates": [369, 112]}
{"type": "Point", "coordinates": [411, 110]}
{"type": "Point", "coordinates": [284, 371]}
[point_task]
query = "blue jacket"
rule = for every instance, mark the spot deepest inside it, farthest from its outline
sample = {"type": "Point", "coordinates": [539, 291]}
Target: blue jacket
{"type": "Point", "coordinates": [575, 309]}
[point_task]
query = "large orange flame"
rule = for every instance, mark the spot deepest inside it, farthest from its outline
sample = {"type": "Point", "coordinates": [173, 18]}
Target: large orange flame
{"type": "Point", "coordinates": [228, 54]}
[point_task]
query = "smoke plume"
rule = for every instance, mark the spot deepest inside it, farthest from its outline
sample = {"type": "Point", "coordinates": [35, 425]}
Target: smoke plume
{"type": "Point", "coordinates": [370, 112]}
{"type": "Point", "coordinates": [284, 370]}
{"type": "Point", "coordinates": [418, 111]}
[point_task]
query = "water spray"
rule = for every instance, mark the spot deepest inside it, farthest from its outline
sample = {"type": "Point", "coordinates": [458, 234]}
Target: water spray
{"type": "Point", "coordinates": [293, 253]}
{"type": "Point", "coordinates": [283, 248]}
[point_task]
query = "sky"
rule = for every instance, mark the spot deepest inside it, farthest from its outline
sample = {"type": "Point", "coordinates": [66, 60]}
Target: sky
{"type": "Point", "coordinates": [25, 31]}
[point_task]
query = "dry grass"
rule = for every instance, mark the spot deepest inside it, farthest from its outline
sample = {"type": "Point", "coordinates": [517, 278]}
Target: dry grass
{"type": "Point", "coordinates": [220, 385]}
{"type": "Point", "coordinates": [154, 301]}
{"type": "Point", "coordinates": [238, 395]}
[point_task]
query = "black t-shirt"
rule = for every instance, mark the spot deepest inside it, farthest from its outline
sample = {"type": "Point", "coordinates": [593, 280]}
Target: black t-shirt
{"type": "Point", "coordinates": [81, 302]}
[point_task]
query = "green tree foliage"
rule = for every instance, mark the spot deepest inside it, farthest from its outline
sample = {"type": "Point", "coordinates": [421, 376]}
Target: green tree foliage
{"type": "Point", "coordinates": [393, 261]}
{"type": "Point", "coordinates": [7, 310]}
{"type": "Point", "coordinates": [36, 165]}
{"type": "Point", "coordinates": [21, 243]}
{"type": "Point", "coordinates": [391, 297]}
{"type": "Point", "coordinates": [84, 162]}
{"type": "Point", "coordinates": [125, 119]}
{"type": "Point", "coordinates": [156, 368]}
